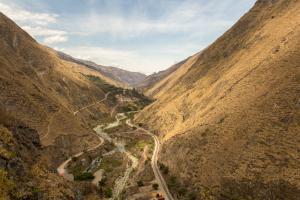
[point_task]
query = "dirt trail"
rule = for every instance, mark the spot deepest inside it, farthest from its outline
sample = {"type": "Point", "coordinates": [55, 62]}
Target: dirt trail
{"type": "Point", "coordinates": [49, 126]}
{"type": "Point", "coordinates": [81, 109]}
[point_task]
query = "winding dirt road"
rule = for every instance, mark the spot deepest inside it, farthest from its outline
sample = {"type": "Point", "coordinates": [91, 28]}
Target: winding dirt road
{"type": "Point", "coordinates": [120, 183]}
{"type": "Point", "coordinates": [160, 179]}
{"type": "Point", "coordinates": [62, 169]}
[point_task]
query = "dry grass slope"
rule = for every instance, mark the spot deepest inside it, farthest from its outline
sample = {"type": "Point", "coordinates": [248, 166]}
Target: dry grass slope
{"type": "Point", "coordinates": [232, 113]}
{"type": "Point", "coordinates": [42, 90]}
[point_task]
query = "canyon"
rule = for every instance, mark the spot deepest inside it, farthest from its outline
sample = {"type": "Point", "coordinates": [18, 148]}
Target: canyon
{"type": "Point", "coordinates": [222, 124]}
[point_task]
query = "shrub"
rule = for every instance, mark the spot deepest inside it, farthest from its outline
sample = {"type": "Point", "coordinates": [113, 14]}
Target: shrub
{"type": "Point", "coordinates": [102, 182]}
{"type": "Point", "coordinates": [172, 182]}
{"type": "Point", "coordinates": [74, 159]}
{"type": "Point", "coordinates": [108, 192]}
{"type": "Point", "coordinates": [166, 170]}
{"type": "Point", "coordinates": [140, 183]}
{"type": "Point", "coordinates": [84, 176]}
{"type": "Point", "coordinates": [182, 191]}
{"type": "Point", "coordinates": [155, 186]}
{"type": "Point", "coordinates": [163, 168]}
{"type": "Point", "coordinates": [192, 196]}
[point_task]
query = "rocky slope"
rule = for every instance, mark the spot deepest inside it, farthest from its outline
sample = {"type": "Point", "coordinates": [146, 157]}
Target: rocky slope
{"type": "Point", "coordinates": [229, 117]}
{"type": "Point", "coordinates": [127, 78]}
{"type": "Point", "coordinates": [23, 172]}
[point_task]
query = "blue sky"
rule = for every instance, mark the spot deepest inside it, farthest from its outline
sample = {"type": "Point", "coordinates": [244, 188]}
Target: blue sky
{"type": "Point", "coordinates": [137, 35]}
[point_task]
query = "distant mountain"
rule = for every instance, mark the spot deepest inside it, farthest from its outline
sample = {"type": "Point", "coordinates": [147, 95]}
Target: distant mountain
{"type": "Point", "coordinates": [128, 78]}
{"type": "Point", "coordinates": [229, 117]}
{"type": "Point", "coordinates": [154, 78]}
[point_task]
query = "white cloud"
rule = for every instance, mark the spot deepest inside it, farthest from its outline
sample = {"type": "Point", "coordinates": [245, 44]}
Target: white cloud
{"type": "Point", "coordinates": [186, 17]}
{"type": "Point", "coordinates": [41, 31]}
{"type": "Point", "coordinates": [104, 56]}
{"type": "Point", "coordinates": [35, 23]}
{"type": "Point", "coordinates": [50, 36]}
{"type": "Point", "coordinates": [24, 16]}
{"type": "Point", "coordinates": [180, 27]}
{"type": "Point", "coordinates": [55, 39]}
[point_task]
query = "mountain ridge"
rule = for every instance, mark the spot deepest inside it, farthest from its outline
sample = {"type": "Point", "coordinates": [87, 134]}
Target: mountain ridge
{"type": "Point", "coordinates": [128, 78]}
{"type": "Point", "coordinates": [152, 79]}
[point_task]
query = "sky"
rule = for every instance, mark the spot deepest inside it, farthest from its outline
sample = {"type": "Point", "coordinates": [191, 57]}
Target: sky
{"type": "Point", "coordinates": [137, 35]}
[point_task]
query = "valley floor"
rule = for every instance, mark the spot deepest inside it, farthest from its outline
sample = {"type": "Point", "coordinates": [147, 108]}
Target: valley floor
{"type": "Point", "coordinates": [121, 165]}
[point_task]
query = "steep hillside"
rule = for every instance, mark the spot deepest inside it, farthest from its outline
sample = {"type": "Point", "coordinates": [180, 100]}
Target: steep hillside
{"type": "Point", "coordinates": [23, 172]}
{"type": "Point", "coordinates": [127, 78]}
{"type": "Point", "coordinates": [229, 117]}
{"type": "Point", "coordinates": [39, 88]}
{"type": "Point", "coordinates": [45, 92]}
{"type": "Point", "coordinates": [48, 109]}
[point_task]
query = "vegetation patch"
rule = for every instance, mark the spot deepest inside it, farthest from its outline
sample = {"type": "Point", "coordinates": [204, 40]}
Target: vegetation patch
{"type": "Point", "coordinates": [129, 107]}
{"type": "Point", "coordinates": [155, 186]}
{"type": "Point", "coordinates": [7, 186]}
{"type": "Point", "coordinates": [83, 176]}
{"type": "Point", "coordinates": [109, 163]}
{"type": "Point", "coordinates": [140, 102]}
{"type": "Point", "coordinates": [108, 192]}
{"type": "Point", "coordinates": [140, 183]}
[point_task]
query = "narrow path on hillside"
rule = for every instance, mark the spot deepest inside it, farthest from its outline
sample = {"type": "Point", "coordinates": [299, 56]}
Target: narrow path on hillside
{"type": "Point", "coordinates": [160, 179]}
{"type": "Point", "coordinates": [83, 108]}
{"type": "Point", "coordinates": [74, 113]}
{"type": "Point", "coordinates": [49, 126]}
